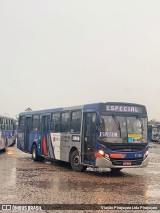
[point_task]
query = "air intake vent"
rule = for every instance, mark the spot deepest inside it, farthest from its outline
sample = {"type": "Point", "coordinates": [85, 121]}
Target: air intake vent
{"type": "Point", "coordinates": [126, 147]}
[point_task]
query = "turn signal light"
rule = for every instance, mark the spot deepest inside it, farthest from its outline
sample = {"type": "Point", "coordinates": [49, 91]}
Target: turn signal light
{"type": "Point", "coordinates": [117, 155]}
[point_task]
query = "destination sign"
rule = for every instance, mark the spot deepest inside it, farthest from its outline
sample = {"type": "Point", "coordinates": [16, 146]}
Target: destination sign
{"type": "Point", "coordinates": [123, 108]}
{"type": "Point", "coordinates": [108, 134]}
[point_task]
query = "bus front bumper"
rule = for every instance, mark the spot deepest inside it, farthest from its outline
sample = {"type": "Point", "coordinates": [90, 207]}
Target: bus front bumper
{"type": "Point", "coordinates": [105, 163]}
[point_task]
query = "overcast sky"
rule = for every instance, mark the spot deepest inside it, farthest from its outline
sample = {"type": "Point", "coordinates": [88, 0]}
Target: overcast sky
{"type": "Point", "coordinates": [61, 53]}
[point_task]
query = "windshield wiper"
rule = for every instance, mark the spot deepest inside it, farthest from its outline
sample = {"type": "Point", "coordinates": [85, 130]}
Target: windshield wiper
{"type": "Point", "coordinates": [116, 123]}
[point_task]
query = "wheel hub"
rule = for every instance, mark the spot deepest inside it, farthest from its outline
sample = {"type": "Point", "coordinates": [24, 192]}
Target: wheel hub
{"type": "Point", "coordinates": [76, 160]}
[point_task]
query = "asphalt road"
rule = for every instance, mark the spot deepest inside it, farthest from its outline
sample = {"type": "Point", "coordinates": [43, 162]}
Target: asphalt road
{"type": "Point", "coordinates": [23, 181]}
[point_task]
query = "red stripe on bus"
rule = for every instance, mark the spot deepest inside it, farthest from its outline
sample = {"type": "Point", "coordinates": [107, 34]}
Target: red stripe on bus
{"type": "Point", "coordinates": [45, 147]}
{"type": "Point", "coordinates": [116, 155]}
{"type": "Point", "coordinates": [97, 155]}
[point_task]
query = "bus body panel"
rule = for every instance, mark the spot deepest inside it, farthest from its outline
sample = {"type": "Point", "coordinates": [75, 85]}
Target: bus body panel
{"type": "Point", "coordinates": [127, 155]}
{"type": "Point", "coordinates": [8, 132]}
{"type": "Point", "coordinates": [20, 141]}
{"type": "Point", "coordinates": [62, 143]}
{"type": "Point", "coordinates": [154, 132]}
{"type": "Point", "coordinates": [58, 147]}
{"type": "Point", "coordinates": [2, 142]}
{"type": "Point", "coordinates": [135, 159]}
{"type": "Point", "coordinates": [104, 163]}
{"type": "Point", "coordinates": [56, 140]}
{"type": "Point", "coordinates": [34, 137]}
{"type": "Point", "coordinates": [9, 137]}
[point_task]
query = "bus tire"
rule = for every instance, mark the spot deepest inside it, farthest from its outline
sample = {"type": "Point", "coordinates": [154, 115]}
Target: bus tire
{"type": "Point", "coordinates": [34, 153]}
{"type": "Point", "coordinates": [74, 160]}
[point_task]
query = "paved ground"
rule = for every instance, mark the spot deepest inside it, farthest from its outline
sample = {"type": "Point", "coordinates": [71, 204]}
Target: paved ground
{"type": "Point", "coordinates": [26, 182]}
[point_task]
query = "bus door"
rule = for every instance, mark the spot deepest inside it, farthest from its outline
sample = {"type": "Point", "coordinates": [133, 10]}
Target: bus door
{"type": "Point", "coordinates": [27, 131]}
{"type": "Point", "coordinates": [45, 134]}
{"type": "Point", "coordinates": [89, 130]}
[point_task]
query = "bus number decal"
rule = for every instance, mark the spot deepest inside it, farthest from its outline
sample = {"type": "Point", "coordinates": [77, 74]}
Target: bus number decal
{"type": "Point", "coordinates": [75, 138]}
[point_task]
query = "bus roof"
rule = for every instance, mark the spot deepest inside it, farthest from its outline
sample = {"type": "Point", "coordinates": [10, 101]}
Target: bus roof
{"type": "Point", "coordinates": [86, 106]}
{"type": "Point", "coordinates": [6, 116]}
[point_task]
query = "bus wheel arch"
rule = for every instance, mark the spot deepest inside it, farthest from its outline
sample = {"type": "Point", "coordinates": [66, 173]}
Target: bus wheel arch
{"type": "Point", "coordinates": [71, 151]}
{"type": "Point", "coordinates": [74, 160]}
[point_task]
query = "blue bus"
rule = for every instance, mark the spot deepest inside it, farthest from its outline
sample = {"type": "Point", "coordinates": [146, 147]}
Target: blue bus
{"type": "Point", "coordinates": [154, 132]}
{"type": "Point", "coordinates": [7, 132]}
{"type": "Point", "coordinates": [101, 135]}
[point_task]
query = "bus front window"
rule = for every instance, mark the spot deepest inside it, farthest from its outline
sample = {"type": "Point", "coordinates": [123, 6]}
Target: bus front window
{"type": "Point", "coordinates": [137, 128]}
{"type": "Point", "coordinates": [123, 129]}
{"type": "Point", "coordinates": [109, 129]}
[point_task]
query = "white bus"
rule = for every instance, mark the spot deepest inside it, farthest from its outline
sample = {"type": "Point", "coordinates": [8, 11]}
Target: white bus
{"type": "Point", "coordinates": [7, 132]}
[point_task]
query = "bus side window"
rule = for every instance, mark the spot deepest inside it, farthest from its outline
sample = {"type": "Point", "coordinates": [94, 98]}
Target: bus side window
{"type": "Point", "coordinates": [2, 124]}
{"type": "Point", "coordinates": [8, 122]}
{"type": "Point", "coordinates": [55, 122]}
{"type": "Point", "coordinates": [9, 125]}
{"type": "Point", "coordinates": [35, 123]}
{"type": "Point", "coordinates": [21, 123]}
{"type": "Point", "coordinates": [64, 124]}
{"type": "Point", "coordinates": [75, 124]}
{"type": "Point", "coordinates": [12, 127]}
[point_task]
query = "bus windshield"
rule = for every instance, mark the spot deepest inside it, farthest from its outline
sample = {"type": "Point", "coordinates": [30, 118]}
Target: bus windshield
{"type": "Point", "coordinates": [123, 129]}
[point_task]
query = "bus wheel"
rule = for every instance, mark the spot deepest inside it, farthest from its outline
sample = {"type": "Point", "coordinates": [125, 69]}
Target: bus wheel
{"type": "Point", "coordinates": [74, 160]}
{"type": "Point", "coordinates": [116, 169]}
{"type": "Point", "coordinates": [34, 153]}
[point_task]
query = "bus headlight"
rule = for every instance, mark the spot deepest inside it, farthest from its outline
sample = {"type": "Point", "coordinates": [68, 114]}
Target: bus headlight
{"type": "Point", "coordinates": [101, 152]}
{"type": "Point", "coordinates": [145, 155]}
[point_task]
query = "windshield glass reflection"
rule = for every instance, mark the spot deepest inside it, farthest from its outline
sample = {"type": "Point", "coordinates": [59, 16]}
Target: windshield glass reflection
{"type": "Point", "coordinates": [123, 129]}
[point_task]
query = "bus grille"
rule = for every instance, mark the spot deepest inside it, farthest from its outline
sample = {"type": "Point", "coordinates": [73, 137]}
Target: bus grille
{"type": "Point", "coordinates": [120, 163]}
{"type": "Point", "coordinates": [126, 147]}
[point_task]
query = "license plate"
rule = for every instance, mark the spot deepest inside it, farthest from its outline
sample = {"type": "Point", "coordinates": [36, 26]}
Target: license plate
{"type": "Point", "coordinates": [127, 163]}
